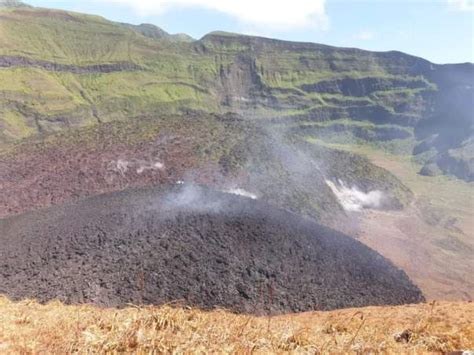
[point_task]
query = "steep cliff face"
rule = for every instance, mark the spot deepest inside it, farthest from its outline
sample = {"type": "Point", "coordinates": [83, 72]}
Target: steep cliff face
{"type": "Point", "coordinates": [54, 72]}
{"type": "Point", "coordinates": [239, 85]}
{"type": "Point", "coordinates": [446, 133]}
{"type": "Point", "coordinates": [405, 98]}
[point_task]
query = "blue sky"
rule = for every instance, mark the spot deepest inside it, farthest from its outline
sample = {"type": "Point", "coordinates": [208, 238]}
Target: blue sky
{"type": "Point", "coordinates": [439, 30]}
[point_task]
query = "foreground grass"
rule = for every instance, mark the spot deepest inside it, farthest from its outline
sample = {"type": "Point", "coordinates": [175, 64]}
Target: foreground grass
{"type": "Point", "coordinates": [28, 327]}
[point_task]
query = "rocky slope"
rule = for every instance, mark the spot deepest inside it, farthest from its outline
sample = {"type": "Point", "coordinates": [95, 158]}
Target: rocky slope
{"type": "Point", "coordinates": [54, 78]}
{"type": "Point", "coordinates": [209, 249]}
{"type": "Point", "coordinates": [226, 152]}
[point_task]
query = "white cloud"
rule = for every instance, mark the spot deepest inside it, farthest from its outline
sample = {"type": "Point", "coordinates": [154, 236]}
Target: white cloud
{"type": "Point", "coordinates": [364, 35]}
{"type": "Point", "coordinates": [463, 5]}
{"type": "Point", "coordinates": [276, 14]}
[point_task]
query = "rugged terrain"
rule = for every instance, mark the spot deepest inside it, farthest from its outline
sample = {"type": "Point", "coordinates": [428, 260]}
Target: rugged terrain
{"type": "Point", "coordinates": [426, 229]}
{"type": "Point", "coordinates": [53, 78]}
{"type": "Point", "coordinates": [299, 126]}
{"type": "Point", "coordinates": [221, 151]}
{"type": "Point", "coordinates": [188, 243]}
{"type": "Point", "coordinates": [432, 239]}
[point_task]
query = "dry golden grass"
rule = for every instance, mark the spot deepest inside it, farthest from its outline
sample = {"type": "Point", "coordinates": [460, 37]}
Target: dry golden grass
{"type": "Point", "coordinates": [28, 327]}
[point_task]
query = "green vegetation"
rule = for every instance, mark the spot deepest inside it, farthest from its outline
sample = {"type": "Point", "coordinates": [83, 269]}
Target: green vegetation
{"type": "Point", "coordinates": [329, 93]}
{"type": "Point", "coordinates": [386, 137]}
{"type": "Point", "coordinates": [13, 126]}
{"type": "Point", "coordinates": [176, 75]}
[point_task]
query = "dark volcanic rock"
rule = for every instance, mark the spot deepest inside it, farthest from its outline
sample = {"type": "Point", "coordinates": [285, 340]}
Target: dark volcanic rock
{"type": "Point", "coordinates": [186, 243]}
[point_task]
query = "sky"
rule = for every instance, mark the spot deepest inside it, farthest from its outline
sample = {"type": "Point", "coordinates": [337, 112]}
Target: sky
{"type": "Point", "coordinates": [441, 31]}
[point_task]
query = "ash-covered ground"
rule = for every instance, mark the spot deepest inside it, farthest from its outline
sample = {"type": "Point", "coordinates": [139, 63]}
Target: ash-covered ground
{"type": "Point", "coordinates": [190, 244]}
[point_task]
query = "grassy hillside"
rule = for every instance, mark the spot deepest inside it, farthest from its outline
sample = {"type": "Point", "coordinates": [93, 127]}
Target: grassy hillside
{"type": "Point", "coordinates": [28, 327]}
{"type": "Point", "coordinates": [62, 69]}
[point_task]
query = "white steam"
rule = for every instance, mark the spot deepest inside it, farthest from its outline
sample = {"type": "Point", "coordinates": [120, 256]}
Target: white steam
{"type": "Point", "coordinates": [353, 199]}
{"type": "Point", "coordinates": [123, 166]}
{"type": "Point", "coordinates": [241, 192]}
{"type": "Point", "coordinates": [196, 198]}
{"type": "Point", "coordinates": [149, 166]}
{"type": "Point", "coordinates": [192, 198]}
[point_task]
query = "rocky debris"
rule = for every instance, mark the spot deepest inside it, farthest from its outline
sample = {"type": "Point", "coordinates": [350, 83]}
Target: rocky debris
{"type": "Point", "coordinates": [189, 244]}
{"type": "Point", "coordinates": [239, 83]}
{"type": "Point", "coordinates": [50, 175]}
